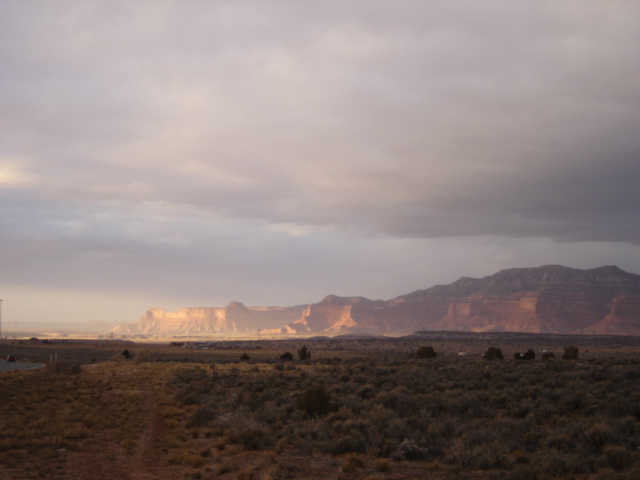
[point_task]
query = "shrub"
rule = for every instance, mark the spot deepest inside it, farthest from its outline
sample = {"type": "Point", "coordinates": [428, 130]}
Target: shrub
{"type": "Point", "coordinates": [221, 444]}
{"type": "Point", "coordinates": [126, 354]}
{"type": "Point", "coordinates": [304, 353]}
{"type": "Point", "coordinates": [178, 456]}
{"type": "Point", "coordinates": [528, 355]}
{"type": "Point", "coordinates": [383, 465]}
{"type": "Point", "coordinates": [617, 458]}
{"type": "Point", "coordinates": [315, 401]}
{"type": "Point", "coordinates": [520, 472]}
{"type": "Point", "coordinates": [196, 461]}
{"type": "Point", "coordinates": [349, 444]}
{"type": "Point", "coordinates": [250, 438]}
{"type": "Point", "coordinates": [245, 358]}
{"type": "Point", "coordinates": [493, 353]}
{"type": "Point", "coordinates": [202, 416]}
{"type": "Point", "coordinates": [548, 356]}
{"type": "Point", "coordinates": [142, 357]}
{"type": "Point", "coordinates": [63, 367]}
{"type": "Point", "coordinates": [286, 356]}
{"type": "Point", "coordinates": [570, 353]}
{"type": "Point", "coordinates": [426, 352]}
{"type": "Point", "coordinates": [411, 450]}
{"type": "Point", "coordinates": [352, 463]}
{"type": "Point", "coordinates": [597, 437]}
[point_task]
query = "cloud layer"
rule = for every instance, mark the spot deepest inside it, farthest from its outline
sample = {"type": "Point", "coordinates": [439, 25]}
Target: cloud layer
{"type": "Point", "coordinates": [254, 146]}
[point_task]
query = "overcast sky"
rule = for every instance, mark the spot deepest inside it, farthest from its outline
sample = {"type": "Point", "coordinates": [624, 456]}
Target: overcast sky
{"type": "Point", "coordinates": [190, 153]}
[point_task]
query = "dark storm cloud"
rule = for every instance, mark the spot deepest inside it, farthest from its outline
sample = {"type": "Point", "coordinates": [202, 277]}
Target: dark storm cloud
{"type": "Point", "coordinates": [178, 136]}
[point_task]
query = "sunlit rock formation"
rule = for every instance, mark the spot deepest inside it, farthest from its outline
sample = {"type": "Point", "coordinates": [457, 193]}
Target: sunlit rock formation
{"type": "Point", "coordinates": [549, 299]}
{"type": "Point", "coordinates": [233, 318]}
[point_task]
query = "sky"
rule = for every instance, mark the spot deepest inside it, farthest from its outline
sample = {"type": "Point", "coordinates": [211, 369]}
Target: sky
{"type": "Point", "coordinates": [188, 153]}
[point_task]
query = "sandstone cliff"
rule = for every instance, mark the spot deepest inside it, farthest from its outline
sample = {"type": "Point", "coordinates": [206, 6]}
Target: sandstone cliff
{"type": "Point", "coordinates": [549, 299]}
{"type": "Point", "coordinates": [233, 318]}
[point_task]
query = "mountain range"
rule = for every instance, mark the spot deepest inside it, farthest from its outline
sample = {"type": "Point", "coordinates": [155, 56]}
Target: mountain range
{"type": "Point", "coordinates": [547, 299]}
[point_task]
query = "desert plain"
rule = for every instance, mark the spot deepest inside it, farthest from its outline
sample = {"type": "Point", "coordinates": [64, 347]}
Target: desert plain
{"type": "Point", "coordinates": [357, 408]}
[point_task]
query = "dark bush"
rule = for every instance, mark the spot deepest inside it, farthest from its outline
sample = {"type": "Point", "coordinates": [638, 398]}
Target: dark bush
{"type": "Point", "coordinates": [528, 355]}
{"type": "Point", "coordinates": [315, 401]}
{"type": "Point", "coordinates": [617, 458]}
{"type": "Point", "coordinates": [304, 353]}
{"type": "Point", "coordinates": [597, 437]}
{"type": "Point", "coordinates": [286, 356]}
{"type": "Point", "coordinates": [202, 416]}
{"type": "Point", "coordinates": [493, 353]}
{"type": "Point", "coordinates": [570, 353]}
{"type": "Point", "coordinates": [245, 358]}
{"type": "Point", "coordinates": [126, 354]}
{"type": "Point", "coordinates": [410, 450]}
{"type": "Point", "coordinates": [352, 463]}
{"type": "Point", "coordinates": [548, 356]}
{"type": "Point", "coordinates": [522, 472]}
{"type": "Point", "coordinates": [349, 445]}
{"type": "Point", "coordinates": [63, 367]}
{"type": "Point", "coordinates": [426, 352]}
{"type": "Point", "coordinates": [251, 438]}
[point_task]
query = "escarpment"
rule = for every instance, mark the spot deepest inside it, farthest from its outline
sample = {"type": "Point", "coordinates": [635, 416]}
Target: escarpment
{"type": "Point", "coordinates": [548, 299]}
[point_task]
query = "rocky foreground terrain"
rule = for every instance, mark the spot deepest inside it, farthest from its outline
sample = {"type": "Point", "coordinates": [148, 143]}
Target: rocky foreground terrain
{"type": "Point", "coordinates": [548, 299]}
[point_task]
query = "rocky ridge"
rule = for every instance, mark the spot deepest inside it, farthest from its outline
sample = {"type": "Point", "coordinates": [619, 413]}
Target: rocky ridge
{"type": "Point", "coordinates": [548, 299]}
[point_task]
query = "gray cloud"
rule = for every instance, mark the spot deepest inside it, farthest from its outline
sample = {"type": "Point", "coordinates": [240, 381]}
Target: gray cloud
{"type": "Point", "coordinates": [258, 139]}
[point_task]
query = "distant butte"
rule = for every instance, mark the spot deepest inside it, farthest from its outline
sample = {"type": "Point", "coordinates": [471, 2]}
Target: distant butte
{"type": "Point", "coordinates": [548, 299]}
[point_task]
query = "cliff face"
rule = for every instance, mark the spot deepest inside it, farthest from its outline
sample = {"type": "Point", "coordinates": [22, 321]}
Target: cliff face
{"type": "Point", "coordinates": [549, 299]}
{"type": "Point", "coordinates": [335, 315]}
{"type": "Point", "coordinates": [233, 318]}
{"type": "Point", "coordinates": [624, 318]}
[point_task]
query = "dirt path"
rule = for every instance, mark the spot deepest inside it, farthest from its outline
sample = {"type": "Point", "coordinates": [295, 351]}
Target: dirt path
{"type": "Point", "coordinates": [106, 460]}
{"type": "Point", "coordinates": [148, 462]}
